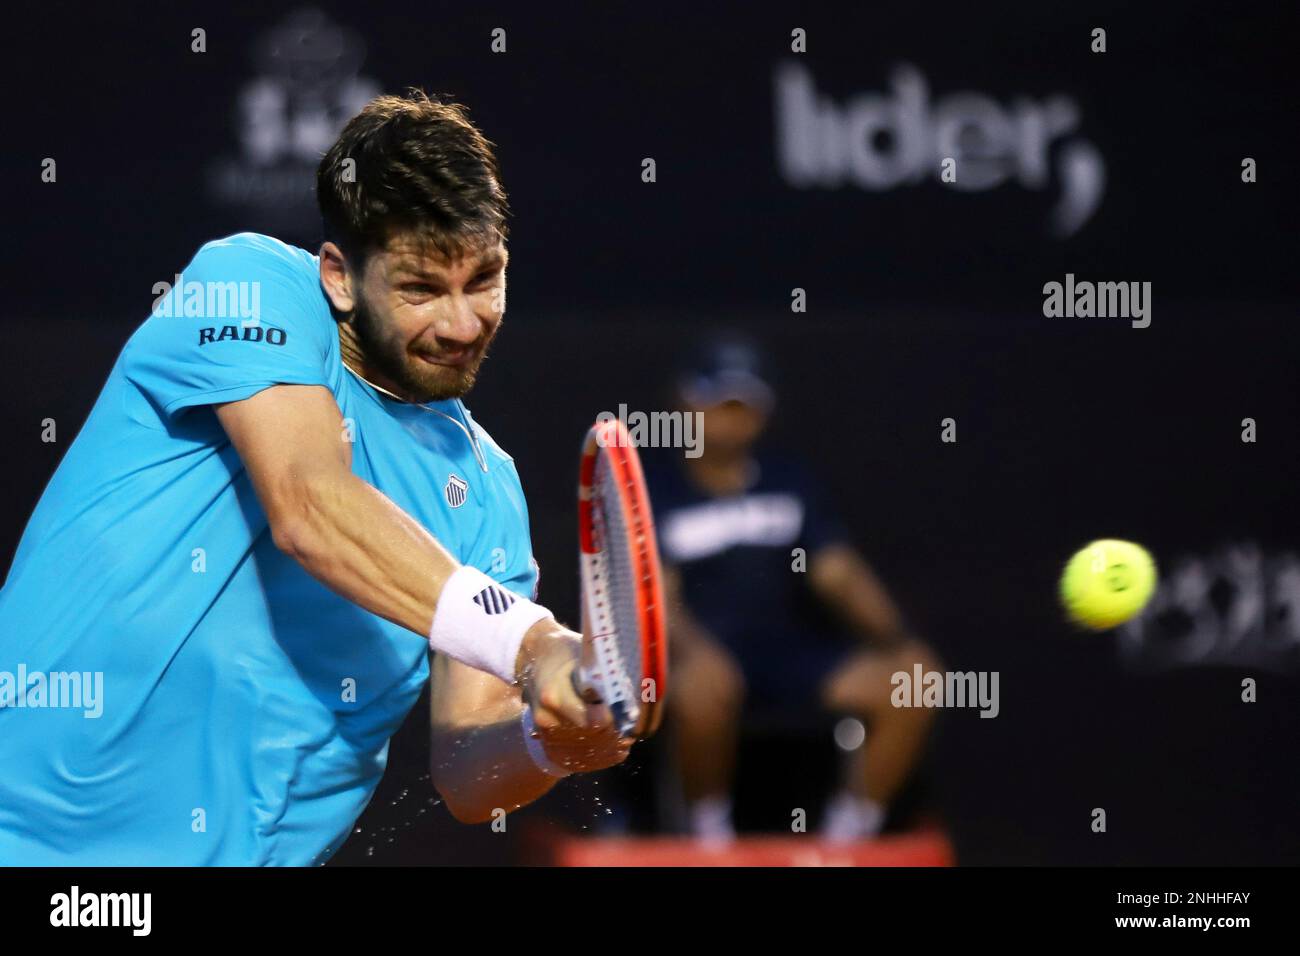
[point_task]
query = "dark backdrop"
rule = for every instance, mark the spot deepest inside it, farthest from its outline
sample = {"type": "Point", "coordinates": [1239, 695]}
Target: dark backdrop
{"type": "Point", "coordinates": [924, 303]}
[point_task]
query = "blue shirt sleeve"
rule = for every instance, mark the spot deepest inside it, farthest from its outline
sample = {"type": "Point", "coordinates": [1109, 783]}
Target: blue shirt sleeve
{"type": "Point", "coordinates": [248, 313]}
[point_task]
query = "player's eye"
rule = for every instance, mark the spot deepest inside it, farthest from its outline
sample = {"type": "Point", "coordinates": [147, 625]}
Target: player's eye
{"type": "Point", "coordinates": [485, 278]}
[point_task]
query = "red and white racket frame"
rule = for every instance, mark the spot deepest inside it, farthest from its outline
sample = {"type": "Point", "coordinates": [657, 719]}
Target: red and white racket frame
{"type": "Point", "coordinates": [636, 708]}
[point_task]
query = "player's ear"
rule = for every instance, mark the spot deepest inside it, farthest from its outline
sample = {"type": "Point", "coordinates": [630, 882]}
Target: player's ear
{"type": "Point", "coordinates": [336, 279]}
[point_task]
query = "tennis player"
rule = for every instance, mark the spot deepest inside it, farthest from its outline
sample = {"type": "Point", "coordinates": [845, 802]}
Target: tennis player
{"type": "Point", "coordinates": [265, 525]}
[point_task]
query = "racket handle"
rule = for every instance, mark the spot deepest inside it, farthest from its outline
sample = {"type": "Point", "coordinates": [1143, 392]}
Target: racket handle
{"type": "Point", "coordinates": [588, 690]}
{"type": "Point", "coordinates": [583, 685]}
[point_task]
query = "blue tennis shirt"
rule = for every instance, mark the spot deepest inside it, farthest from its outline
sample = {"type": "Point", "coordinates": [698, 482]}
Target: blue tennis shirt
{"type": "Point", "coordinates": [174, 690]}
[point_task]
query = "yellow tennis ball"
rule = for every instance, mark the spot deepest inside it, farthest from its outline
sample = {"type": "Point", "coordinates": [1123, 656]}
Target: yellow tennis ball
{"type": "Point", "coordinates": [1107, 583]}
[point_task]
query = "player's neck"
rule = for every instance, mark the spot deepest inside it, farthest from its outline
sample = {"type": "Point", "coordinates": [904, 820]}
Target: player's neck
{"type": "Point", "coordinates": [352, 357]}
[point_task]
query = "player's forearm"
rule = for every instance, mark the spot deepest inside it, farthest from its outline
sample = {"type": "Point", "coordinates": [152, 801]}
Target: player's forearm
{"type": "Point", "coordinates": [356, 541]}
{"type": "Point", "coordinates": [480, 770]}
{"type": "Point", "coordinates": [361, 545]}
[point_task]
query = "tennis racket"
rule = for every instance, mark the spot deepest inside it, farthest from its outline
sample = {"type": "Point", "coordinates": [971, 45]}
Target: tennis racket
{"type": "Point", "coordinates": [626, 660]}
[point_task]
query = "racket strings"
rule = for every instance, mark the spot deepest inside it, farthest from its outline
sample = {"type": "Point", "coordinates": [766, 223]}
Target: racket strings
{"type": "Point", "coordinates": [621, 656]}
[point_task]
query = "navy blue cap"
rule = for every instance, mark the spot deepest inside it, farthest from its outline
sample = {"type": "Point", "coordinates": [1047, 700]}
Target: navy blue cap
{"type": "Point", "coordinates": [729, 369]}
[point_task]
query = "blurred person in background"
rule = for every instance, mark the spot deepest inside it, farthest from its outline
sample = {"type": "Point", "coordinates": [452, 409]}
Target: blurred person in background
{"type": "Point", "coordinates": [754, 561]}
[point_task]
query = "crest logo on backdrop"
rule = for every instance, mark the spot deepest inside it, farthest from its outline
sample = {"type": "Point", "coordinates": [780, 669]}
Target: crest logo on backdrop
{"type": "Point", "coordinates": [305, 86]}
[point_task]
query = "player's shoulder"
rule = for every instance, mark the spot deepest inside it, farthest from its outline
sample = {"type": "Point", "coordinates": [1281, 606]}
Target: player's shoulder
{"type": "Point", "coordinates": [245, 290]}
{"type": "Point", "coordinates": [255, 250]}
{"type": "Point", "coordinates": [264, 277]}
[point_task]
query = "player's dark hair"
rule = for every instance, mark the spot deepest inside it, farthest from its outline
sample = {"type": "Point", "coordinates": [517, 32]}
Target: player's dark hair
{"type": "Point", "coordinates": [419, 166]}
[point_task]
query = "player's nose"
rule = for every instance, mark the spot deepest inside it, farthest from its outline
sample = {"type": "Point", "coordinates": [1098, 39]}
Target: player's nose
{"type": "Point", "coordinates": [459, 324]}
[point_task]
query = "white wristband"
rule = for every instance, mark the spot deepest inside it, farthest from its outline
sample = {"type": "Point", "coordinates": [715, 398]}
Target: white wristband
{"type": "Point", "coordinates": [535, 748]}
{"type": "Point", "coordinates": [482, 624]}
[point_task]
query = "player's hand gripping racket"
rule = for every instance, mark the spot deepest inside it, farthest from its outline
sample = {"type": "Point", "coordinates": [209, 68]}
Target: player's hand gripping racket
{"type": "Point", "coordinates": [626, 657]}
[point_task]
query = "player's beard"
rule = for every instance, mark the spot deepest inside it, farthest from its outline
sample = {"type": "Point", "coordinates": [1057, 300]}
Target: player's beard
{"type": "Point", "coordinates": [416, 379]}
